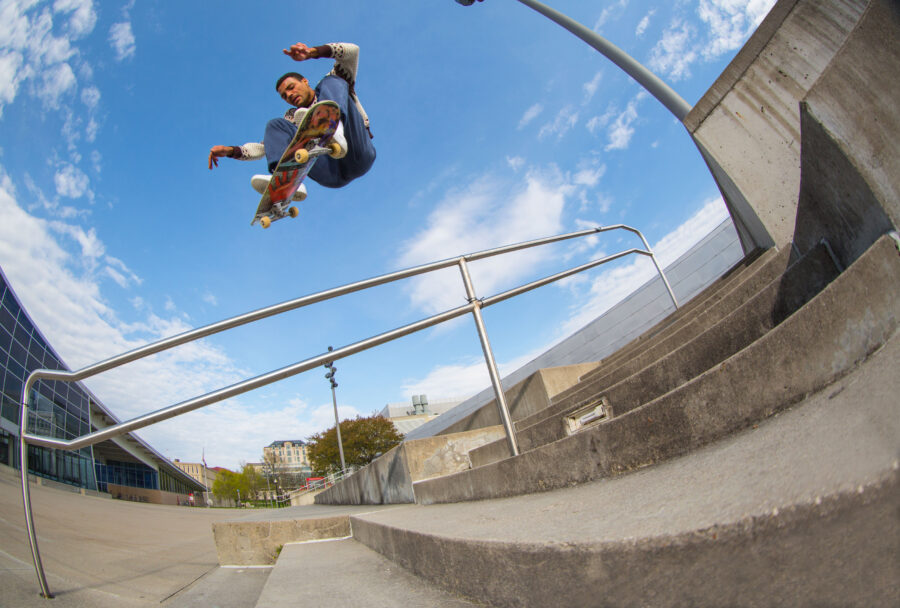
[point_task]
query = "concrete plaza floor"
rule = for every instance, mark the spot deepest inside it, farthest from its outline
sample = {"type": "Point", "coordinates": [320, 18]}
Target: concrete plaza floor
{"type": "Point", "coordinates": [101, 552]}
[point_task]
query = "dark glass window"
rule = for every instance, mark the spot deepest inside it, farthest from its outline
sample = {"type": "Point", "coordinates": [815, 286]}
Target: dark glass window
{"type": "Point", "coordinates": [21, 332]}
{"type": "Point", "coordinates": [5, 339]}
{"type": "Point", "coordinates": [18, 353]}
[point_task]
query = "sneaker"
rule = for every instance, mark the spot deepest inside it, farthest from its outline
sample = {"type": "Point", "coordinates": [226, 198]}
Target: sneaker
{"type": "Point", "coordinates": [340, 140]}
{"type": "Point", "coordinates": [259, 183]}
{"type": "Point", "coordinates": [299, 113]}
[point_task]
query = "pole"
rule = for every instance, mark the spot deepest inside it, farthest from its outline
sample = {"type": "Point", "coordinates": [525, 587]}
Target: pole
{"type": "Point", "coordinates": [647, 79]}
{"type": "Point", "coordinates": [337, 426]}
{"type": "Point", "coordinates": [502, 407]}
{"type": "Point", "coordinates": [332, 370]}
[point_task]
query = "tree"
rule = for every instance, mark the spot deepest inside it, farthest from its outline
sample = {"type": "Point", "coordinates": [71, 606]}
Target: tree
{"type": "Point", "coordinates": [226, 485]}
{"type": "Point", "coordinates": [238, 486]}
{"type": "Point", "coordinates": [363, 439]}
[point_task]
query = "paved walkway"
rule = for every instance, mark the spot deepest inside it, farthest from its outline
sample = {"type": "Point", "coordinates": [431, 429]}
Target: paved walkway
{"type": "Point", "coordinates": [99, 551]}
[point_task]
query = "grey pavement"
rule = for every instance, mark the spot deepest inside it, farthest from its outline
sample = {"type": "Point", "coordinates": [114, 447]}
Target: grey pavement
{"type": "Point", "coordinates": [101, 552]}
{"type": "Point", "coordinates": [344, 573]}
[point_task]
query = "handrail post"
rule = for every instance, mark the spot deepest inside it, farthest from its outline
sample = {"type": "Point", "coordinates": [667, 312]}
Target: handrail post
{"type": "Point", "coordinates": [503, 408]}
{"type": "Point", "coordinates": [26, 493]}
{"type": "Point", "coordinates": [659, 269]}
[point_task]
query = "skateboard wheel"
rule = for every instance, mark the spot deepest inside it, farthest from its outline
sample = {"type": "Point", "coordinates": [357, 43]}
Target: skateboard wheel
{"type": "Point", "coordinates": [265, 222]}
{"type": "Point", "coordinates": [336, 150]}
{"type": "Point", "coordinates": [301, 155]}
{"type": "Point", "coordinates": [293, 212]}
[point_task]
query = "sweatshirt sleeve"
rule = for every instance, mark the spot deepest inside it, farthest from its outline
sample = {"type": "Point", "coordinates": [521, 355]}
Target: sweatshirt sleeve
{"type": "Point", "coordinates": [346, 59]}
{"type": "Point", "coordinates": [249, 151]}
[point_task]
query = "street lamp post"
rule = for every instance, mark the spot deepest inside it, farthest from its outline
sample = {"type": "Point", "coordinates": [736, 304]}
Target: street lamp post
{"type": "Point", "coordinates": [337, 423]}
{"type": "Point", "coordinates": [751, 231]}
{"type": "Point", "coordinates": [647, 79]}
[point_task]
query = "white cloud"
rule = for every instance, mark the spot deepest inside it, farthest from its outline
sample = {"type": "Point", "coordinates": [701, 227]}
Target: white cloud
{"type": "Point", "coordinates": [210, 299]}
{"type": "Point", "coordinates": [589, 176]}
{"type": "Point", "coordinates": [644, 24]}
{"type": "Point", "coordinates": [562, 123]}
{"type": "Point", "coordinates": [590, 88]}
{"type": "Point", "coordinates": [122, 40]}
{"type": "Point", "coordinates": [56, 82]}
{"type": "Point", "coordinates": [530, 114]}
{"type": "Point", "coordinates": [10, 77]}
{"type": "Point", "coordinates": [488, 213]}
{"type": "Point", "coordinates": [728, 25]}
{"type": "Point", "coordinates": [90, 96]}
{"type": "Point", "coordinates": [515, 162]}
{"type": "Point", "coordinates": [621, 129]}
{"type": "Point", "coordinates": [83, 17]}
{"type": "Point", "coordinates": [675, 51]}
{"type": "Point", "coordinates": [72, 182]}
{"type": "Point", "coordinates": [596, 123]}
{"type": "Point", "coordinates": [610, 13]}
{"type": "Point", "coordinates": [467, 377]}
{"type": "Point", "coordinates": [730, 22]}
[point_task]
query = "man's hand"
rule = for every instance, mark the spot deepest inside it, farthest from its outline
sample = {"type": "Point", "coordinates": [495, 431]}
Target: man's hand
{"type": "Point", "coordinates": [301, 52]}
{"type": "Point", "coordinates": [217, 152]}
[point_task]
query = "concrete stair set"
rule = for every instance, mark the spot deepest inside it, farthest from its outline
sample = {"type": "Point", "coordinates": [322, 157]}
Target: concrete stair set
{"type": "Point", "coordinates": [743, 452]}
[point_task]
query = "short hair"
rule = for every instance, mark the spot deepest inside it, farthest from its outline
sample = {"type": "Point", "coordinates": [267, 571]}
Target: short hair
{"type": "Point", "coordinates": [288, 75]}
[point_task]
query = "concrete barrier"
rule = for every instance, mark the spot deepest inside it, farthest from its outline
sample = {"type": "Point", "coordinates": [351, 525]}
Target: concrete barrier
{"type": "Point", "coordinates": [749, 121]}
{"type": "Point", "coordinates": [390, 478]}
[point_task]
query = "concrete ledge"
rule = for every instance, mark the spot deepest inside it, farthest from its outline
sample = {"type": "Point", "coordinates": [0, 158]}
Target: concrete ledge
{"type": "Point", "coordinates": [710, 306]}
{"type": "Point", "coordinates": [674, 349]}
{"type": "Point", "coordinates": [839, 551]}
{"type": "Point", "coordinates": [526, 397]}
{"type": "Point", "coordinates": [825, 339]}
{"type": "Point", "coordinates": [749, 322]}
{"type": "Point", "coordinates": [254, 543]}
{"type": "Point", "coordinates": [390, 478]}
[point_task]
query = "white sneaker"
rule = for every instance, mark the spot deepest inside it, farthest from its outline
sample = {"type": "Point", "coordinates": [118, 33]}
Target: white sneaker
{"type": "Point", "coordinates": [340, 140]}
{"type": "Point", "coordinates": [259, 183]}
{"type": "Point", "coordinates": [299, 113]}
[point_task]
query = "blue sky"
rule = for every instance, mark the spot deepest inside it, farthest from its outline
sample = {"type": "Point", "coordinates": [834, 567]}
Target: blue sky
{"type": "Point", "coordinates": [492, 126]}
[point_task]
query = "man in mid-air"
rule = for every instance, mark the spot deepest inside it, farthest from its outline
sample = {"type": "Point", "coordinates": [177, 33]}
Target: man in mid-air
{"type": "Point", "coordinates": [353, 133]}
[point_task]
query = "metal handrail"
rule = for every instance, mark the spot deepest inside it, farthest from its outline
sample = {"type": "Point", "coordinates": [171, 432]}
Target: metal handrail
{"type": "Point", "coordinates": [473, 306]}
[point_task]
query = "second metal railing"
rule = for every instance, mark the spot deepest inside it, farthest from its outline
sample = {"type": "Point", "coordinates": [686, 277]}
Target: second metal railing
{"type": "Point", "coordinates": [473, 306]}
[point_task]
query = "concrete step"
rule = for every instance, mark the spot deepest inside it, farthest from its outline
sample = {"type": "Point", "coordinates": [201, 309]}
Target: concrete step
{"type": "Point", "coordinates": [224, 587]}
{"type": "Point", "coordinates": [665, 367]}
{"type": "Point", "coordinates": [256, 538]}
{"type": "Point", "coordinates": [799, 510]}
{"type": "Point", "coordinates": [343, 573]}
{"type": "Point", "coordinates": [714, 303]}
{"type": "Point", "coordinates": [823, 340]}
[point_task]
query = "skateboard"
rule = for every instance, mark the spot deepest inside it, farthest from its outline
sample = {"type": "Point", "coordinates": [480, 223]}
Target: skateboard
{"type": "Point", "coordinates": [309, 143]}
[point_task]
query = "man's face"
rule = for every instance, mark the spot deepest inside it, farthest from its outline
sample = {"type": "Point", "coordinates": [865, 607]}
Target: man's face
{"type": "Point", "coordinates": [296, 92]}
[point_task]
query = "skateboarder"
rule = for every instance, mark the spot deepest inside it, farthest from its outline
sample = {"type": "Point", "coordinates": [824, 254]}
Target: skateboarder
{"type": "Point", "coordinates": [353, 133]}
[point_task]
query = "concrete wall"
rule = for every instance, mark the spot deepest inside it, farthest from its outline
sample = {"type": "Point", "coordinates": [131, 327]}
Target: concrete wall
{"type": "Point", "coordinates": [749, 120]}
{"type": "Point", "coordinates": [390, 478]}
{"type": "Point", "coordinates": [850, 186]}
{"type": "Point", "coordinates": [525, 398]}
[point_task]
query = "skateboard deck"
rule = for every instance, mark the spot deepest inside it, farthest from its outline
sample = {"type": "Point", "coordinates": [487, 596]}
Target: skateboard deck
{"type": "Point", "coordinates": [310, 142]}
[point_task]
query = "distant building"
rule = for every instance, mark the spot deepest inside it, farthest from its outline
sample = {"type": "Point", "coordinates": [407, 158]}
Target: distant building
{"type": "Point", "coordinates": [288, 457]}
{"type": "Point", "coordinates": [407, 416]}
{"type": "Point", "coordinates": [125, 466]}
{"type": "Point", "coordinates": [197, 470]}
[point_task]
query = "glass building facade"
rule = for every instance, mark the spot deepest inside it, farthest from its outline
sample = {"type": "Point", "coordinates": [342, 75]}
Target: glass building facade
{"type": "Point", "coordinates": [63, 410]}
{"type": "Point", "coordinates": [59, 409]}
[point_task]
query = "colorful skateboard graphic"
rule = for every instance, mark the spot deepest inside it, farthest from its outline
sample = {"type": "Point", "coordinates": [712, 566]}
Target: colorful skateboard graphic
{"type": "Point", "coordinates": [310, 142]}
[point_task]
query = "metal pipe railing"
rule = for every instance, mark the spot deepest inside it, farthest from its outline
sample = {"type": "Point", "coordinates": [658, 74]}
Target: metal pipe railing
{"type": "Point", "coordinates": [473, 306]}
